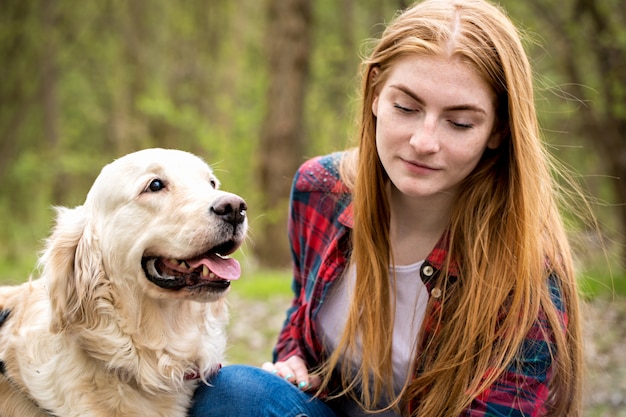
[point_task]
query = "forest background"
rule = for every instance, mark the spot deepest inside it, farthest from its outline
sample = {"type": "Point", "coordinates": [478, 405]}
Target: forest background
{"type": "Point", "coordinates": [257, 86]}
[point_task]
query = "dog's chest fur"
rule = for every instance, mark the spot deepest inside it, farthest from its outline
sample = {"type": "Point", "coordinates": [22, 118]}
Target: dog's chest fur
{"type": "Point", "coordinates": [91, 368]}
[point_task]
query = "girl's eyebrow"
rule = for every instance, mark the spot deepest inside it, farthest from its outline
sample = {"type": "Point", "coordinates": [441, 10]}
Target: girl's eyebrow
{"type": "Point", "coordinates": [459, 107]}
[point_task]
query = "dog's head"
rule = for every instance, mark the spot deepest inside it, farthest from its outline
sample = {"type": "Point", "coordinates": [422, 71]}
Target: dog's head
{"type": "Point", "coordinates": [154, 222]}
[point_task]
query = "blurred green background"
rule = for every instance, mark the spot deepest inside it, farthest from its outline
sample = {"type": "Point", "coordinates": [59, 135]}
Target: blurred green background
{"type": "Point", "coordinates": [257, 86]}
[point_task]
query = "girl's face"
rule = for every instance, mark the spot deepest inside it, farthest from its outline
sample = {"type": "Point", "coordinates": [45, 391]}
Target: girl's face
{"type": "Point", "coordinates": [434, 119]}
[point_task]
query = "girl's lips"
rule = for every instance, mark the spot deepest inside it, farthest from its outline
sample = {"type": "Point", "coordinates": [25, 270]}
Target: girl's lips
{"type": "Point", "coordinates": [419, 167]}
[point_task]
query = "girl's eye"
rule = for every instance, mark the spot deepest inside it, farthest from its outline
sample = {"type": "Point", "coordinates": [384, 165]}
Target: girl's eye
{"type": "Point", "coordinates": [403, 109]}
{"type": "Point", "coordinates": [156, 185]}
{"type": "Point", "coordinates": [461, 125]}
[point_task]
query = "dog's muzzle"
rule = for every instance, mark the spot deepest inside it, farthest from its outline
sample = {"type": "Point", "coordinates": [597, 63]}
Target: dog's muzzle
{"type": "Point", "coordinates": [214, 269]}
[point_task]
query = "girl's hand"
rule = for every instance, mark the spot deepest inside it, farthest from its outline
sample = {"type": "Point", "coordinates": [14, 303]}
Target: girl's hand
{"type": "Point", "coordinates": [295, 371]}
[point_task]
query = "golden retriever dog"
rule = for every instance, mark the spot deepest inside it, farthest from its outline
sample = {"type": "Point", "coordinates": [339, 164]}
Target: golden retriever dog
{"type": "Point", "coordinates": [129, 312]}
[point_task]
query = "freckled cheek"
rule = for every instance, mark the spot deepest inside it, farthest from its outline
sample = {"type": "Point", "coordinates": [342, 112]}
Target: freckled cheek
{"type": "Point", "coordinates": [386, 148]}
{"type": "Point", "coordinates": [465, 158]}
{"type": "Point", "coordinates": [391, 130]}
{"type": "Point", "coordinates": [387, 143]}
{"type": "Point", "coordinates": [470, 146]}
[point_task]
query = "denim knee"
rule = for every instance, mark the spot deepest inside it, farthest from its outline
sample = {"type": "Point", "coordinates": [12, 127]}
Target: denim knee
{"type": "Point", "coordinates": [246, 391]}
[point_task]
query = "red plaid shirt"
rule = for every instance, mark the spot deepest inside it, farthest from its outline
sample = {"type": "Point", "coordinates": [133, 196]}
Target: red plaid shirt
{"type": "Point", "coordinates": [319, 231]}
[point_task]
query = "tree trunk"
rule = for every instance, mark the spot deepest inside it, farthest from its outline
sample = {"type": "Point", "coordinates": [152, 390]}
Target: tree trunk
{"type": "Point", "coordinates": [281, 142]}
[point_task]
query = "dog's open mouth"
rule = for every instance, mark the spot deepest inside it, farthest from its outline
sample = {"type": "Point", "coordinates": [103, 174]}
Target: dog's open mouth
{"type": "Point", "coordinates": [210, 270]}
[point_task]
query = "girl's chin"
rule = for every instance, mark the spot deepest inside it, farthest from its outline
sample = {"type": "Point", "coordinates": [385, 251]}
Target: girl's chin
{"type": "Point", "coordinates": [411, 189]}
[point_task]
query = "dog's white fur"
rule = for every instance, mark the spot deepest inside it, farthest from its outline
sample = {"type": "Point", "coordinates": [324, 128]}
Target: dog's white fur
{"type": "Point", "coordinates": [93, 336]}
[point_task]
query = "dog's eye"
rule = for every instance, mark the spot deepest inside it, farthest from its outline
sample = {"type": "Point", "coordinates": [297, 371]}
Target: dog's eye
{"type": "Point", "coordinates": [213, 183]}
{"type": "Point", "coordinates": [156, 185]}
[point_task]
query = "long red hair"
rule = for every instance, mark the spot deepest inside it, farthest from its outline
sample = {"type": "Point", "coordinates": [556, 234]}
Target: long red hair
{"type": "Point", "coordinates": [505, 232]}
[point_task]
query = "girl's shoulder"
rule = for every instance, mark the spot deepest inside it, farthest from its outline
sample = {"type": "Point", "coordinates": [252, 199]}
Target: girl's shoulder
{"type": "Point", "coordinates": [321, 174]}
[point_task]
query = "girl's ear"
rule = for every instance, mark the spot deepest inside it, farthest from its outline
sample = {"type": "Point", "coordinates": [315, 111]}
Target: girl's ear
{"type": "Point", "coordinates": [494, 140]}
{"type": "Point", "coordinates": [500, 132]}
{"type": "Point", "coordinates": [375, 105]}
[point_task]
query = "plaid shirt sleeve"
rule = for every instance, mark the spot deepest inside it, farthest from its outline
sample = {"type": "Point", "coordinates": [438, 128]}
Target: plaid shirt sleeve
{"type": "Point", "coordinates": [318, 204]}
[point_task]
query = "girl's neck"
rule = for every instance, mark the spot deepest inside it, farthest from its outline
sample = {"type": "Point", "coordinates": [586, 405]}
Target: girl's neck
{"type": "Point", "coordinates": [416, 225]}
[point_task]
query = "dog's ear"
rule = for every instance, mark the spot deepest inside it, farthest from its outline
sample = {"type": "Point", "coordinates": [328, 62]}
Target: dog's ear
{"type": "Point", "coordinates": [72, 266]}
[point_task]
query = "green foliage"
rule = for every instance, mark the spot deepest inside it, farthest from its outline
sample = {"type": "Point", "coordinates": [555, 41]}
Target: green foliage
{"type": "Point", "coordinates": [86, 82]}
{"type": "Point", "coordinates": [600, 283]}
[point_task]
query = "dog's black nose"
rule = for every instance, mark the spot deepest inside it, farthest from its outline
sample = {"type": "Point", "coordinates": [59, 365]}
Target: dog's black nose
{"type": "Point", "coordinates": [231, 208]}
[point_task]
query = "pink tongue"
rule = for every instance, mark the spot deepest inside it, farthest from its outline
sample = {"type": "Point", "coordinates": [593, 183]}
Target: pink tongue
{"type": "Point", "coordinates": [225, 268]}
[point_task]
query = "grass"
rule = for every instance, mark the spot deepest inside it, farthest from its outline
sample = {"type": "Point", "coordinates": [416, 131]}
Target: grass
{"type": "Point", "coordinates": [263, 284]}
{"type": "Point", "coordinates": [258, 302]}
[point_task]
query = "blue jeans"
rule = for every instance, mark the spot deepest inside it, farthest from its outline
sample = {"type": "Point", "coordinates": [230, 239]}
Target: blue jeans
{"type": "Point", "coordinates": [247, 391]}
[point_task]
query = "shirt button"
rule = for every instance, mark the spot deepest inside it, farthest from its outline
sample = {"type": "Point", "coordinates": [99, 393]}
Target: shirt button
{"type": "Point", "coordinates": [436, 293]}
{"type": "Point", "coordinates": [428, 270]}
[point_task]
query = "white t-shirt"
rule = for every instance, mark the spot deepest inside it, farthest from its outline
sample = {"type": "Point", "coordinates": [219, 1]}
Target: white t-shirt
{"type": "Point", "coordinates": [411, 300]}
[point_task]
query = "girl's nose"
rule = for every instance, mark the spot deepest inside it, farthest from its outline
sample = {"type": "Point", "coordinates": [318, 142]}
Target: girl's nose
{"type": "Point", "coordinates": [424, 138]}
